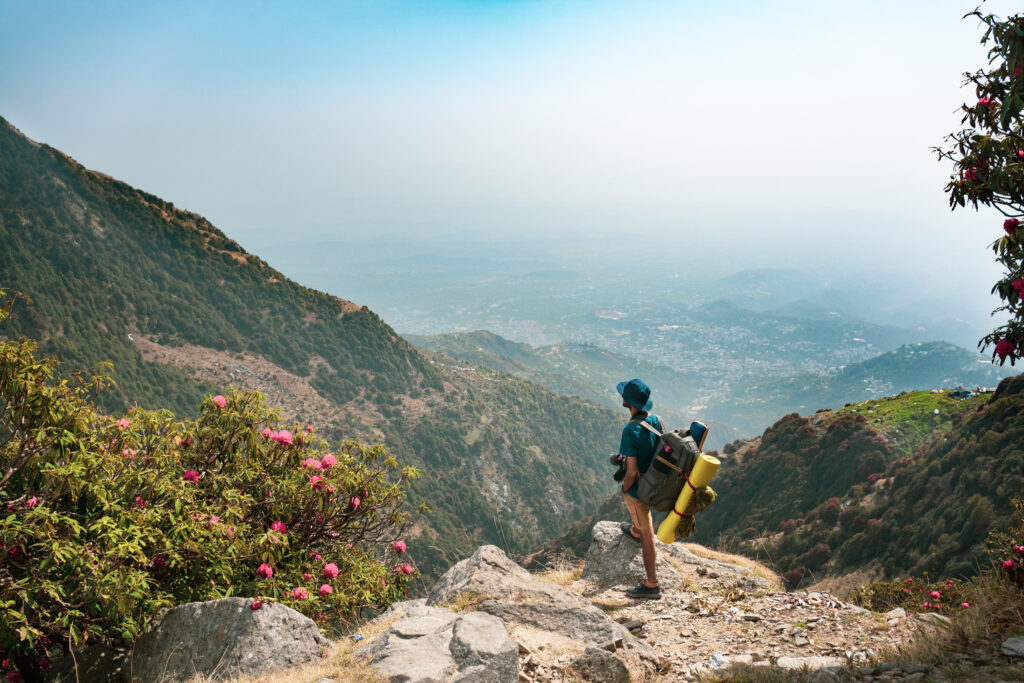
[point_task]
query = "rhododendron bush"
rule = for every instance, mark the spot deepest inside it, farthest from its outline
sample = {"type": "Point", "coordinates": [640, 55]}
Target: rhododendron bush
{"type": "Point", "coordinates": [107, 519]}
{"type": "Point", "coordinates": [988, 155]}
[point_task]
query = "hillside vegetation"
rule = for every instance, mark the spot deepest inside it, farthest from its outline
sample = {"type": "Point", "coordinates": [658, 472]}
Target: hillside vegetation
{"type": "Point", "coordinates": [182, 311]}
{"type": "Point", "coordinates": [890, 486]}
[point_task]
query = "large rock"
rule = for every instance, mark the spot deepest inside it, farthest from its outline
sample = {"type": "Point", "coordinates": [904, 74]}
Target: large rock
{"type": "Point", "coordinates": [223, 639]}
{"type": "Point", "coordinates": [529, 604]}
{"type": "Point", "coordinates": [614, 560]}
{"type": "Point", "coordinates": [599, 666]}
{"type": "Point", "coordinates": [433, 645]}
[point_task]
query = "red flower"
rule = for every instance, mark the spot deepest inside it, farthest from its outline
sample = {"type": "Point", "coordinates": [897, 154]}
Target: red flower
{"type": "Point", "coordinates": [220, 401]}
{"type": "Point", "coordinates": [264, 571]}
{"type": "Point", "coordinates": [984, 101]}
{"type": "Point", "coordinates": [1010, 224]}
{"type": "Point", "coordinates": [325, 590]}
{"type": "Point", "coordinates": [331, 571]}
{"type": "Point", "coordinates": [1019, 286]}
{"type": "Point", "coordinates": [1005, 347]}
{"type": "Point", "coordinates": [328, 460]}
{"type": "Point", "coordinates": [354, 502]}
{"type": "Point", "coordinates": [300, 593]}
{"type": "Point", "coordinates": [279, 527]}
{"type": "Point", "coordinates": [191, 475]}
{"type": "Point", "coordinates": [255, 605]}
{"type": "Point", "coordinates": [399, 546]}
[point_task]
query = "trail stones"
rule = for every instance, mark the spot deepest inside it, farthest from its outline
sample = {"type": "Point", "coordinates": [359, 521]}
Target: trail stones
{"type": "Point", "coordinates": [224, 639]}
{"type": "Point", "coordinates": [434, 645]}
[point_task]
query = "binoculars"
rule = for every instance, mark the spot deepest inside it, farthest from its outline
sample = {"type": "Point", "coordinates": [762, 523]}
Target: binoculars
{"type": "Point", "coordinates": [619, 462]}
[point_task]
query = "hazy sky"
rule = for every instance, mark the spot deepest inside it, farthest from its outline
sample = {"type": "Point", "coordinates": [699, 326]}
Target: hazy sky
{"type": "Point", "coordinates": [778, 131]}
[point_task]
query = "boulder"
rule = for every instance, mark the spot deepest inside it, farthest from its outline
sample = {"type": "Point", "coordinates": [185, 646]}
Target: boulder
{"type": "Point", "coordinates": [434, 645]}
{"type": "Point", "coordinates": [223, 639]}
{"type": "Point", "coordinates": [614, 560]}
{"type": "Point", "coordinates": [526, 602]}
{"type": "Point", "coordinates": [810, 663]}
{"type": "Point", "coordinates": [1013, 647]}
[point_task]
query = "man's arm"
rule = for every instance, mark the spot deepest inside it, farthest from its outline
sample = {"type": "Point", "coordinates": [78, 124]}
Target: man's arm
{"type": "Point", "coordinates": [631, 474]}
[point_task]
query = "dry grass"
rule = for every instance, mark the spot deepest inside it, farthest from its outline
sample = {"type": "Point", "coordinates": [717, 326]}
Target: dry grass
{"type": "Point", "coordinates": [842, 586]}
{"type": "Point", "coordinates": [752, 566]}
{"type": "Point", "coordinates": [996, 612]}
{"type": "Point", "coordinates": [609, 604]}
{"type": "Point", "coordinates": [464, 600]}
{"type": "Point", "coordinates": [563, 570]}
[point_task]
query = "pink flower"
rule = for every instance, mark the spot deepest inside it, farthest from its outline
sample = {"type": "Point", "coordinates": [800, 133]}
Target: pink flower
{"type": "Point", "coordinates": [140, 502]}
{"type": "Point", "coordinates": [13, 677]}
{"type": "Point", "coordinates": [984, 101]}
{"type": "Point", "coordinates": [1009, 565]}
{"type": "Point", "coordinates": [214, 520]}
{"type": "Point", "coordinates": [309, 428]}
{"type": "Point", "coordinates": [325, 590]}
{"type": "Point", "coordinates": [317, 482]}
{"type": "Point", "coordinates": [267, 433]}
{"type": "Point", "coordinates": [191, 475]}
{"type": "Point", "coordinates": [971, 173]}
{"type": "Point", "coordinates": [1004, 347]}
{"type": "Point", "coordinates": [219, 400]}
{"type": "Point", "coordinates": [964, 605]}
{"type": "Point", "coordinates": [315, 555]}
{"type": "Point", "coordinates": [399, 546]}
{"type": "Point", "coordinates": [1019, 286]}
{"type": "Point", "coordinates": [44, 663]}
{"type": "Point", "coordinates": [255, 605]}
{"type": "Point", "coordinates": [31, 502]}
{"type": "Point", "coordinates": [1019, 549]}
{"type": "Point", "coordinates": [283, 437]}
{"type": "Point", "coordinates": [159, 562]}
{"type": "Point", "coordinates": [300, 593]}
{"type": "Point", "coordinates": [405, 569]}
{"type": "Point", "coordinates": [328, 460]}
{"type": "Point", "coordinates": [936, 595]}
{"type": "Point", "coordinates": [353, 502]}
{"type": "Point", "coordinates": [123, 423]}
{"type": "Point", "coordinates": [228, 531]}
{"type": "Point", "coordinates": [307, 576]}
{"type": "Point", "coordinates": [331, 570]}
{"type": "Point", "coordinates": [279, 527]}
{"type": "Point", "coordinates": [1010, 224]}
{"type": "Point", "coordinates": [1020, 153]}
{"type": "Point", "coordinates": [264, 571]}
{"type": "Point", "coordinates": [311, 463]}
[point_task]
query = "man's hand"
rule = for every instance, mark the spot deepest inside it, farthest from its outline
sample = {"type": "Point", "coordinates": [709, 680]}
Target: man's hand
{"type": "Point", "coordinates": [632, 473]}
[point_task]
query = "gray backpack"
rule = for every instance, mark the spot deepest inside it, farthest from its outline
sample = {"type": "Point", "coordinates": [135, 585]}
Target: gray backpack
{"type": "Point", "coordinates": [675, 454]}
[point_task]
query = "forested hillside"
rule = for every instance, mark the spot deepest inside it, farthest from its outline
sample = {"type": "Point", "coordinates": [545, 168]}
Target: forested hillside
{"type": "Point", "coordinates": [117, 274]}
{"type": "Point", "coordinates": [905, 484]}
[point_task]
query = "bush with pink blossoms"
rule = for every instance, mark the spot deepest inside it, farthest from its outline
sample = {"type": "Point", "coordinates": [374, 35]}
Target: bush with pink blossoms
{"type": "Point", "coordinates": [93, 543]}
{"type": "Point", "coordinates": [988, 167]}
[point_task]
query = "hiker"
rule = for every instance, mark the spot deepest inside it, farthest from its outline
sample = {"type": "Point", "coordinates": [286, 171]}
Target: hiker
{"type": "Point", "coordinates": [637, 447]}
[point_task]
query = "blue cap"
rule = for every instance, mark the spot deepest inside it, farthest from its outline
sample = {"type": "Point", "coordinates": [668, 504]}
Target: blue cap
{"type": "Point", "coordinates": [636, 393]}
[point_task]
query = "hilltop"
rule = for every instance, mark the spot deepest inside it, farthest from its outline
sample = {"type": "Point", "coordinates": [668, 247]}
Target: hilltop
{"type": "Point", "coordinates": [181, 310]}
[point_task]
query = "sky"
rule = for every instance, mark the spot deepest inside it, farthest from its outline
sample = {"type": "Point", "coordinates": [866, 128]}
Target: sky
{"type": "Point", "coordinates": [760, 133]}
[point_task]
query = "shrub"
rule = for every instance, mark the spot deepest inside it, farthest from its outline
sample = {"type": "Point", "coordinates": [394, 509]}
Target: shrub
{"type": "Point", "coordinates": [108, 520]}
{"type": "Point", "coordinates": [914, 595]}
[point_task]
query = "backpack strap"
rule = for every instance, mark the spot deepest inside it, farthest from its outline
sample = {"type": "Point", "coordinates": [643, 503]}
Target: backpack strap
{"type": "Point", "coordinates": [647, 426]}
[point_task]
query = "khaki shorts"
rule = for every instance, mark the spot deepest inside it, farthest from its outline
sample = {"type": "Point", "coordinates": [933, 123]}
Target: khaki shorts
{"type": "Point", "coordinates": [640, 513]}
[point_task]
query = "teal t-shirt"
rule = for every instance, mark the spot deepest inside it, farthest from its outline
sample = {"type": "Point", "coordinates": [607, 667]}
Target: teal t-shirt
{"type": "Point", "coordinates": [639, 443]}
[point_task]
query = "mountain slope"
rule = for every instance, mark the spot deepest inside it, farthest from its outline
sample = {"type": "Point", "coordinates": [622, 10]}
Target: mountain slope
{"type": "Point", "coordinates": [889, 486]}
{"type": "Point", "coordinates": [180, 309]}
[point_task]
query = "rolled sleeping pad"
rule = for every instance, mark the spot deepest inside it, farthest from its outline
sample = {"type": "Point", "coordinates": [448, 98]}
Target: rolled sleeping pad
{"type": "Point", "coordinates": [703, 470]}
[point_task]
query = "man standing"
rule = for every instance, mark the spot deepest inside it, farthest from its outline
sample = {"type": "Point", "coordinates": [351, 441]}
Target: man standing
{"type": "Point", "coordinates": [637, 447]}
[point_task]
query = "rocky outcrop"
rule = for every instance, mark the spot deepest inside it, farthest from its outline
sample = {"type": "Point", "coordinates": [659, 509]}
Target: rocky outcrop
{"type": "Point", "coordinates": [223, 639]}
{"type": "Point", "coordinates": [435, 645]}
{"type": "Point", "coordinates": [543, 617]}
{"type": "Point", "coordinates": [614, 560]}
